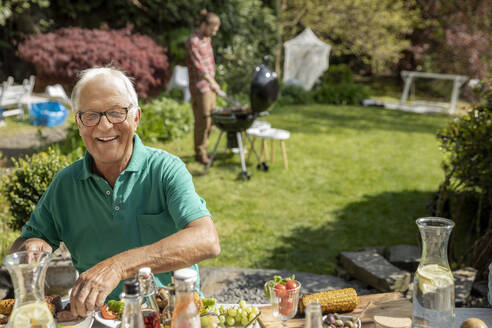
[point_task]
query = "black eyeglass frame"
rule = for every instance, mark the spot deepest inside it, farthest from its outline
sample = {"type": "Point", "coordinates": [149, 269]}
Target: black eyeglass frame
{"type": "Point", "coordinates": [105, 113]}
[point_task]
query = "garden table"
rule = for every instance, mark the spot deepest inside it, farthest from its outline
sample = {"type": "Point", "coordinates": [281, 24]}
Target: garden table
{"type": "Point", "coordinates": [389, 304]}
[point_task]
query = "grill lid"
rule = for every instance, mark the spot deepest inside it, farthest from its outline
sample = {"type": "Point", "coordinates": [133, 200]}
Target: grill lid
{"type": "Point", "coordinates": [264, 89]}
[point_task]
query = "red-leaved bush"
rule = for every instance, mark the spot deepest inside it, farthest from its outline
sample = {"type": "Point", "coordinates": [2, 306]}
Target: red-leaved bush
{"type": "Point", "coordinates": [59, 56]}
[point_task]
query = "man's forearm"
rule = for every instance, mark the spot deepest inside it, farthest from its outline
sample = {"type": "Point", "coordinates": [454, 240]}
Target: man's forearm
{"type": "Point", "coordinates": [197, 242]}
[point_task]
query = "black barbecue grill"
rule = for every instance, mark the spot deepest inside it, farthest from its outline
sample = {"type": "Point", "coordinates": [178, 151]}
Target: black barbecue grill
{"type": "Point", "coordinates": [238, 118]}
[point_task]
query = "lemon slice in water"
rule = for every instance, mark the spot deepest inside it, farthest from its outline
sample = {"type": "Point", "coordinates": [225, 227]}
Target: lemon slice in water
{"type": "Point", "coordinates": [32, 315]}
{"type": "Point", "coordinates": [433, 276]}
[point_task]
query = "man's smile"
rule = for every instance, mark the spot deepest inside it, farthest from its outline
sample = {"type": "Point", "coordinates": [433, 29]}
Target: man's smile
{"type": "Point", "coordinates": [107, 139]}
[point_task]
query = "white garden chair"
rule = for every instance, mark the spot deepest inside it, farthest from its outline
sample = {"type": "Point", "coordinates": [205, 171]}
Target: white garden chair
{"type": "Point", "coordinates": [15, 97]}
{"type": "Point", "coordinates": [181, 81]}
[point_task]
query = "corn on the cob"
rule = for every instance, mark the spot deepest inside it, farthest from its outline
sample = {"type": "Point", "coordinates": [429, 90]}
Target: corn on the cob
{"type": "Point", "coordinates": [6, 306]}
{"type": "Point", "coordinates": [339, 300]}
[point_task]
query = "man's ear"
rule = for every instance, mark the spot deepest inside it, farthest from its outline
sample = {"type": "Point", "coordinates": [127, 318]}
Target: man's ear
{"type": "Point", "coordinates": [138, 115]}
{"type": "Point", "coordinates": [77, 121]}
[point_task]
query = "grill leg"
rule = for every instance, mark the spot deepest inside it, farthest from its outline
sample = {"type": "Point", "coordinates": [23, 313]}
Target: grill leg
{"type": "Point", "coordinates": [212, 158]}
{"type": "Point", "coordinates": [241, 151]}
{"type": "Point", "coordinates": [243, 175]}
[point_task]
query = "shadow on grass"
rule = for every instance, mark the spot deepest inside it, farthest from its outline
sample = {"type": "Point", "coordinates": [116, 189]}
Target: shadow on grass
{"type": "Point", "coordinates": [316, 118]}
{"type": "Point", "coordinates": [378, 220]}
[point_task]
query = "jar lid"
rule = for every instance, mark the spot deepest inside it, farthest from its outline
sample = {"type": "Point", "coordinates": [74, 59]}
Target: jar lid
{"type": "Point", "coordinates": [144, 271]}
{"type": "Point", "coordinates": [131, 287]}
{"type": "Point", "coordinates": [186, 274]}
{"type": "Point", "coordinates": [392, 322]}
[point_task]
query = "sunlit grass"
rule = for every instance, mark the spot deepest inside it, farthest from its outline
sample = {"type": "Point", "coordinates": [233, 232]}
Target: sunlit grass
{"type": "Point", "coordinates": [357, 177]}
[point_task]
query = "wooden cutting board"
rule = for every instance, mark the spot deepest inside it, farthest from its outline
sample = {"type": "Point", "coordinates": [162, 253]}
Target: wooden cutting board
{"type": "Point", "coordinates": [388, 304]}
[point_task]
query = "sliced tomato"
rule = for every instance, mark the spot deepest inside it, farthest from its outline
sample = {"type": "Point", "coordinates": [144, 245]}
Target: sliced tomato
{"type": "Point", "coordinates": [107, 314]}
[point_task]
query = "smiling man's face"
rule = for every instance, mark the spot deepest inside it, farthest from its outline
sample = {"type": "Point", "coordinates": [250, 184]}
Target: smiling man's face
{"type": "Point", "coordinates": [109, 144]}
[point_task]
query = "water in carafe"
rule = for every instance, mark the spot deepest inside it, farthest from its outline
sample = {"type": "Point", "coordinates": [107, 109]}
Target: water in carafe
{"type": "Point", "coordinates": [28, 270]}
{"type": "Point", "coordinates": [433, 294]}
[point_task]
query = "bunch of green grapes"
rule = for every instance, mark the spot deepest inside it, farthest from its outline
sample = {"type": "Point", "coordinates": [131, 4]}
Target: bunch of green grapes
{"type": "Point", "coordinates": [237, 315]}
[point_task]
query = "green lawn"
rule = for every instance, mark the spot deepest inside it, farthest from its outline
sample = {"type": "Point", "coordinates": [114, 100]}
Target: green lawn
{"type": "Point", "coordinates": [357, 177]}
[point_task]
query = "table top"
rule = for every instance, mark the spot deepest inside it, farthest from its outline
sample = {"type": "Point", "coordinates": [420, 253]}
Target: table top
{"type": "Point", "coordinates": [388, 304]}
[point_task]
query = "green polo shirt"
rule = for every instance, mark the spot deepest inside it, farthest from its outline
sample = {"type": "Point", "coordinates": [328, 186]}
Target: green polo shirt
{"type": "Point", "coordinates": [153, 198]}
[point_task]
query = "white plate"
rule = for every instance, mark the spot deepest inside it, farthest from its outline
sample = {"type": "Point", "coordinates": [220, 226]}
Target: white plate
{"type": "Point", "coordinates": [116, 323]}
{"type": "Point", "coordinates": [107, 323]}
{"type": "Point", "coordinates": [84, 323]}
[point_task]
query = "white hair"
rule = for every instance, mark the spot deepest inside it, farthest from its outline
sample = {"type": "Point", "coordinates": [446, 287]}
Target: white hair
{"type": "Point", "coordinates": [112, 73]}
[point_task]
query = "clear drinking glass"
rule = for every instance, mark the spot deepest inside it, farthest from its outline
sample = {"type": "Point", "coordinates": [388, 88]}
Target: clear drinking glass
{"type": "Point", "coordinates": [433, 294]}
{"type": "Point", "coordinates": [284, 302]}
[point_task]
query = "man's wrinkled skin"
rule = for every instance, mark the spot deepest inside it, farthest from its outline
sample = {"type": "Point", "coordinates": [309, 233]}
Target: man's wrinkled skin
{"type": "Point", "coordinates": [111, 146]}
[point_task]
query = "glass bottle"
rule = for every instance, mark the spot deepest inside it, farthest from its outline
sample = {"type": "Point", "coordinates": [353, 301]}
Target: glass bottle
{"type": "Point", "coordinates": [132, 313]}
{"type": "Point", "coordinates": [150, 309]}
{"type": "Point", "coordinates": [313, 315]}
{"type": "Point", "coordinates": [185, 314]}
{"type": "Point", "coordinates": [433, 295]}
{"type": "Point", "coordinates": [169, 309]}
{"type": "Point", "coordinates": [28, 271]}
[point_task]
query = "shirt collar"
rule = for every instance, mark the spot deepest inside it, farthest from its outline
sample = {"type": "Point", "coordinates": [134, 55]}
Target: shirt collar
{"type": "Point", "coordinates": [137, 160]}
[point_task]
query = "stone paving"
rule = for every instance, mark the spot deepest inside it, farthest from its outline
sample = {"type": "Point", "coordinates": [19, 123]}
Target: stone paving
{"type": "Point", "coordinates": [230, 285]}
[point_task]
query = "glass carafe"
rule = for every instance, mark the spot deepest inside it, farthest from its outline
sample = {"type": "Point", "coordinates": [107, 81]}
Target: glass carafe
{"type": "Point", "coordinates": [433, 285]}
{"type": "Point", "coordinates": [28, 270]}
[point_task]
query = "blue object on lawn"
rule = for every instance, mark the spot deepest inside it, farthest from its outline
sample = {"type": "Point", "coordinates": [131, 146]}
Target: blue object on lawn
{"type": "Point", "coordinates": [50, 113]}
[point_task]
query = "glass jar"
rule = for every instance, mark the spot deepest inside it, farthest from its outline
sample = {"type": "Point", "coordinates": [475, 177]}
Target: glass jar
{"type": "Point", "coordinates": [313, 315]}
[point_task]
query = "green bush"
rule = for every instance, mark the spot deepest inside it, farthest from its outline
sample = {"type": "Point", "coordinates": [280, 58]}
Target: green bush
{"type": "Point", "coordinates": [72, 146]}
{"type": "Point", "coordinates": [335, 74]}
{"type": "Point", "coordinates": [291, 94]}
{"type": "Point", "coordinates": [165, 119]}
{"type": "Point", "coordinates": [466, 193]}
{"type": "Point", "coordinates": [29, 179]}
{"type": "Point", "coordinates": [468, 142]}
{"type": "Point", "coordinates": [341, 94]}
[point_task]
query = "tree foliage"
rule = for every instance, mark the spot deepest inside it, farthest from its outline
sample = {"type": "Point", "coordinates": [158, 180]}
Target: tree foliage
{"type": "Point", "coordinates": [61, 55]}
{"type": "Point", "coordinates": [456, 38]}
{"type": "Point", "coordinates": [9, 8]}
{"type": "Point", "coordinates": [246, 35]}
{"type": "Point", "coordinates": [373, 30]}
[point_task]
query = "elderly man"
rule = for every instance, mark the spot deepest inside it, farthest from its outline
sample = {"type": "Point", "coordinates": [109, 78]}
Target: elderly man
{"type": "Point", "coordinates": [124, 205]}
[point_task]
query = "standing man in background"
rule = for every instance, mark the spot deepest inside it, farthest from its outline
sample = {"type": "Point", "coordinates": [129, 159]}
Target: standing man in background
{"type": "Point", "coordinates": [203, 87]}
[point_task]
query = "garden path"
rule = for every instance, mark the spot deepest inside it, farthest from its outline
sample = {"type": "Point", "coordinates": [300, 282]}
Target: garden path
{"type": "Point", "coordinates": [26, 141]}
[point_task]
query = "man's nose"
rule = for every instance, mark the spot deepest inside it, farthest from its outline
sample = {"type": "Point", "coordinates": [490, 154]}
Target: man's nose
{"type": "Point", "coordinates": [104, 122]}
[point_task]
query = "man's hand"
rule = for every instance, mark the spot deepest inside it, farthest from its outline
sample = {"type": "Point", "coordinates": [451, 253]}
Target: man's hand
{"type": "Point", "coordinates": [31, 244]}
{"type": "Point", "coordinates": [93, 286]}
{"type": "Point", "coordinates": [214, 86]}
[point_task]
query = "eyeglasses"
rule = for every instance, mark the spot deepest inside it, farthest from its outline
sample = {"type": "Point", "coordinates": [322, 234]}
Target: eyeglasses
{"type": "Point", "coordinates": [114, 116]}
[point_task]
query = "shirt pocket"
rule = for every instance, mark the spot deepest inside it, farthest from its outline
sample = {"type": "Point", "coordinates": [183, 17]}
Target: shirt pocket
{"type": "Point", "coordinates": [154, 227]}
